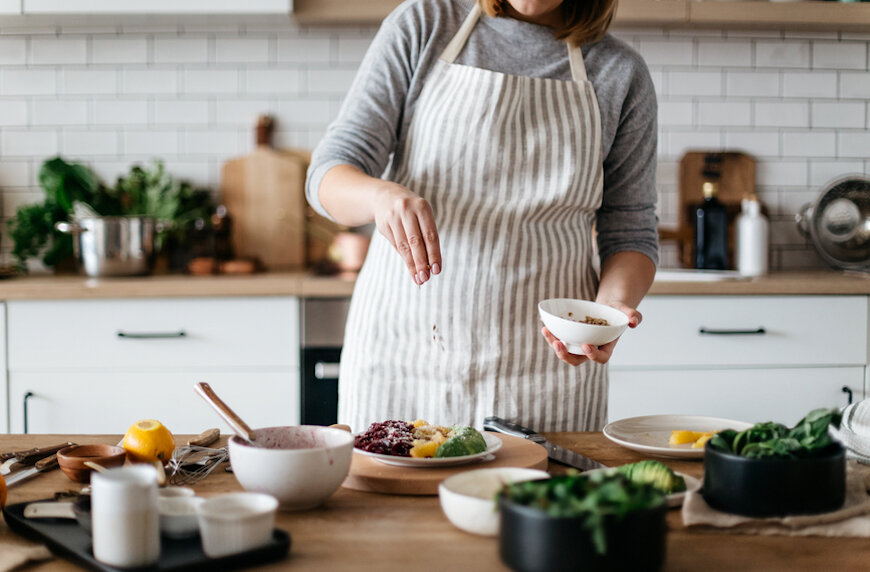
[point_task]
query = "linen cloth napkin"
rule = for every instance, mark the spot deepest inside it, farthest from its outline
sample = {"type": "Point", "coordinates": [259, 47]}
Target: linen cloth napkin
{"type": "Point", "coordinates": [853, 519]}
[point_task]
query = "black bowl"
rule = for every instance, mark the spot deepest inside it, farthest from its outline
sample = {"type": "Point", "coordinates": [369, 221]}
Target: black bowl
{"type": "Point", "coordinates": [532, 541]}
{"type": "Point", "coordinates": [775, 487]}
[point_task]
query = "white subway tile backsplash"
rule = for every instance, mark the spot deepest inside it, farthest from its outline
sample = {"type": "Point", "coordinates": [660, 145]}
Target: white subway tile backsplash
{"type": "Point", "coordinates": [14, 200]}
{"type": "Point", "coordinates": [108, 50]}
{"type": "Point", "coordinates": [849, 114]}
{"type": "Point", "coordinates": [151, 143]}
{"type": "Point", "coordinates": [728, 53]}
{"type": "Point", "coordinates": [50, 51]}
{"type": "Point", "coordinates": [724, 113]}
{"type": "Point", "coordinates": [840, 55]}
{"type": "Point", "coordinates": [782, 114]}
{"type": "Point", "coordinates": [180, 50]}
{"type": "Point", "coordinates": [59, 112]}
{"type": "Point", "coordinates": [116, 95]}
{"type": "Point", "coordinates": [149, 81]}
{"type": "Point", "coordinates": [28, 143]}
{"type": "Point", "coordinates": [809, 84]}
{"type": "Point", "coordinates": [89, 143]}
{"type": "Point", "coordinates": [13, 112]}
{"type": "Point", "coordinates": [782, 54]}
{"type": "Point", "coordinates": [181, 112]}
{"type": "Point", "coordinates": [89, 82]}
{"type": "Point", "coordinates": [211, 81]}
{"type": "Point", "coordinates": [13, 51]}
{"type": "Point", "coordinates": [241, 50]}
{"type": "Point", "coordinates": [855, 85]}
{"type": "Point", "coordinates": [15, 81]}
{"type": "Point", "coordinates": [809, 144]}
{"type": "Point", "coordinates": [120, 112]}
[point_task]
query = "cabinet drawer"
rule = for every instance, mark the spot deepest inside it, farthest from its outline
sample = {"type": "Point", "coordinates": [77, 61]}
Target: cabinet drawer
{"type": "Point", "coordinates": [154, 333]}
{"type": "Point", "coordinates": [721, 331]}
{"type": "Point", "coordinates": [752, 395]}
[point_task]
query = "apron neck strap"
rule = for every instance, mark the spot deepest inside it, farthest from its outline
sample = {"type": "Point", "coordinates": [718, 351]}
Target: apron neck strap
{"type": "Point", "coordinates": [454, 48]}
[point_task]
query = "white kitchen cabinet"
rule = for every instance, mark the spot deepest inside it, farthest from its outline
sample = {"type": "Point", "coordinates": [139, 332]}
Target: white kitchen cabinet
{"type": "Point", "coordinates": [202, 7]}
{"type": "Point", "coordinates": [751, 358]}
{"type": "Point", "coordinates": [111, 401]}
{"type": "Point", "coordinates": [99, 365]}
{"type": "Point", "coordinates": [10, 7]}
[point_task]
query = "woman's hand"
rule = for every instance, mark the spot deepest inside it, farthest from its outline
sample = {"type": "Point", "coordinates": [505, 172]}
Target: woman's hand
{"type": "Point", "coordinates": [406, 220]}
{"type": "Point", "coordinates": [600, 354]}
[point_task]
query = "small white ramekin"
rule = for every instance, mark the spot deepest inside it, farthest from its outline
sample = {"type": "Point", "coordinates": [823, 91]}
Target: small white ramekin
{"type": "Point", "coordinates": [178, 516]}
{"type": "Point", "coordinates": [236, 522]}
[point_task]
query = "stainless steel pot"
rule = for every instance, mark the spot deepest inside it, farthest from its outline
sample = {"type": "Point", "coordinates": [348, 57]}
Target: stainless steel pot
{"type": "Point", "coordinates": [839, 223]}
{"type": "Point", "coordinates": [113, 245]}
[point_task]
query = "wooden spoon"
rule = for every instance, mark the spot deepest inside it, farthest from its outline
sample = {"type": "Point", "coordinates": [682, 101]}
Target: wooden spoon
{"type": "Point", "coordinates": [235, 422]}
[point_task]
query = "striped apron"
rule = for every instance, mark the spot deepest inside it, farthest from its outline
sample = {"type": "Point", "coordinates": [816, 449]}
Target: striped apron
{"type": "Point", "coordinates": [512, 167]}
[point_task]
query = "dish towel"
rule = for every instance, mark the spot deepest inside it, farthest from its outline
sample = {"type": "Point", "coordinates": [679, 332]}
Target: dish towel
{"type": "Point", "coordinates": [15, 551]}
{"type": "Point", "coordinates": [853, 519]}
{"type": "Point", "coordinates": [854, 431]}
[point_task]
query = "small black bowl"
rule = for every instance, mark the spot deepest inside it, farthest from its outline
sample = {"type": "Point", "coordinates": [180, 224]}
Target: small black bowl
{"type": "Point", "coordinates": [531, 541]}
{"type": "Point", "coordinates": [775, 487]}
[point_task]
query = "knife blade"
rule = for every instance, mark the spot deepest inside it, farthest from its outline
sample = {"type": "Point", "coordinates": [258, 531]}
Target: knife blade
{"type": "Point", "coordinates": [40, 466]}
{"type": "Point", "coordinates": [555, 452]}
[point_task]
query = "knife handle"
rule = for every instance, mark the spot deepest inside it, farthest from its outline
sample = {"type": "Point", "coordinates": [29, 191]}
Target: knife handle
{"type": "Point", "coordinates": [507, 427]}
{"type": "Point", "coordinates": [46, 464]}
{"type": "Point", "coordinates": [31, 456]}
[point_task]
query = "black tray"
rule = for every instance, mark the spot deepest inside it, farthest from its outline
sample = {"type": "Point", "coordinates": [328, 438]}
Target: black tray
{"type": "Point", "coordinates": [66, 538]}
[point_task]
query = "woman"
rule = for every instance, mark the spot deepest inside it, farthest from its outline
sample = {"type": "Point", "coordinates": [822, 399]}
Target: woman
{"type": "Point", "coordinates": [512, 133]}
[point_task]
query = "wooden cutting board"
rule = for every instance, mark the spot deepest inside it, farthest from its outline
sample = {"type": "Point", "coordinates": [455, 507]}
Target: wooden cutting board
{"type": "Point", "coordinates": [264, 193]}
{"type": "Point", "coordinates": [736, 181]}
{"type": "Point", "coordinates": [370, 475]}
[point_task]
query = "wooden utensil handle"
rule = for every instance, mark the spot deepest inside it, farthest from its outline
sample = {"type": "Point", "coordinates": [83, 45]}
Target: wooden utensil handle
{"type": "Point", "coordinates": [206, 438]}
{"type": "Point", "coordinates": [30, 456]}
{"type": "Point", "coordinates": [46, 464]}
{"type": "Point", "coordinates": [228, 415]}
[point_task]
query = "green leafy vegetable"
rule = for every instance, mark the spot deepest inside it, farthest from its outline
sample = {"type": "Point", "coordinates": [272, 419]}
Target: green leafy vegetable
{"type": "Point", "coordinates": [655, 473]}
{"type": "Point", "coordinates": [775, 441]}
{"type": "Point", "coordinates": [594, 498]}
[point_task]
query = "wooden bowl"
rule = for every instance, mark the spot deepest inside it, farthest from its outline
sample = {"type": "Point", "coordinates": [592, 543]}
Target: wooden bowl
{"type": "Point", "coordinates": [72, 460]}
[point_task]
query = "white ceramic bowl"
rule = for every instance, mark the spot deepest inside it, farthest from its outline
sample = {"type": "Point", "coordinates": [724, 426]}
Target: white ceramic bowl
{"type": "Point", "coordinates": [178, 516]}
{"type": "Point", "coordinates": [301, 465]}
{"type": "Point", "coordinates": [175, 492]}
{"type": "Point", "coordinates": [468, 498]}
{"type": "Point", "coordinates": [561, 315]}
{"type": "Point", "coordinates": [236, 522]}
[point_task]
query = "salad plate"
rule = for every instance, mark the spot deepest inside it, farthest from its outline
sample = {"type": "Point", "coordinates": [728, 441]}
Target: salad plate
{"type": "Point", "coordinates": [493, 444]}
{"type": "Point", "coordinates": [650, 434]}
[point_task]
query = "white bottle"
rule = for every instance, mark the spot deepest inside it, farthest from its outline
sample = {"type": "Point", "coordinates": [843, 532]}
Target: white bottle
{"type": "Point", "coordinates": [752, 238]}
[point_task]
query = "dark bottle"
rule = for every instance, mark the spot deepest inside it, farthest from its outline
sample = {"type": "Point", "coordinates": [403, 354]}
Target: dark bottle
{"type": "Point", "coordinates": [711, 232]}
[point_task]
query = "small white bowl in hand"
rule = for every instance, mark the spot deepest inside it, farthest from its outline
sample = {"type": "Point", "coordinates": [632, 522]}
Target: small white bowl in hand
{"type": "Point", "coordinates": [468, 498]}
{"type": "Point", "coordinates": [236, 522]}
{"type": "Point", "coordinates": [564, 318]}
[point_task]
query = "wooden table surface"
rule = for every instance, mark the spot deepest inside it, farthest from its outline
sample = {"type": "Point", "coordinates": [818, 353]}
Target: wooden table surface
{"type": "Point", "coordinates": [366, 531]}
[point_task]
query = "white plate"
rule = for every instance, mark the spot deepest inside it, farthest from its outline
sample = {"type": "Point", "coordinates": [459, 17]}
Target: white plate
{"type": "Point", "coordinates": [674, 499]}
{"type": "Point", "coordinates": [650, 434]}
{"type": "Point", "coordinates": [493, 444]}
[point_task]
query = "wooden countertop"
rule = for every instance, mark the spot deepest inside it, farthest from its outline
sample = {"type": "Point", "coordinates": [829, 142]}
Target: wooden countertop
{"type": "Point", "coordinates": [822, 282]}
{"type": "Point", "coordinates": [366, 531]}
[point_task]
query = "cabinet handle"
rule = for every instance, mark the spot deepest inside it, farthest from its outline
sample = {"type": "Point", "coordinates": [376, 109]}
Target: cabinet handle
{"type": "Point", "coordinates": [756, 332]}
{"type": "Point", "coordinates": [848, 392]}
{"type": "Point", "coordinates": [326, 370]}
{"type": "Point", "coordinates": [151, 335]}
{"type": "Point", "coordinates": [27, 396]}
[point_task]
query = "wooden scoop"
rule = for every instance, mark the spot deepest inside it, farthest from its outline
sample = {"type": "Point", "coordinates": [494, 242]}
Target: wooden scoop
{"type": "Point", "coordinates": [235, 422]}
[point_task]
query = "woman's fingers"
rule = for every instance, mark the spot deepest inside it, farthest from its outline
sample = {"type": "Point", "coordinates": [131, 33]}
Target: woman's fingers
{"type": "Point", "coordinates": [561, 351]}
{"type": "Point", "coordinates": [407, 222]}
{"type": "Point", "coordinates": [417, 248]}
{"type": "Point", "coordinates": [403, 247]}
{"type": "Point", "coordinates": [429, 233]}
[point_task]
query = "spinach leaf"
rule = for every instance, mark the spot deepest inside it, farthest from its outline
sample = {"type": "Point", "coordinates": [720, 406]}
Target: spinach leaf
{"type": "Point", "coordinates": [776, 441]}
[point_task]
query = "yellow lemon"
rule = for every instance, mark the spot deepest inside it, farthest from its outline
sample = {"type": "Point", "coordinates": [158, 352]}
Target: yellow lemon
{"type": "Point", "coordinates": [147, 441]}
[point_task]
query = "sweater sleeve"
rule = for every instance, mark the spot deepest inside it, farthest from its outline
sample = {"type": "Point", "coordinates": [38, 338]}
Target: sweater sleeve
{"type": "Point", "coordinates": [366, 130]}
{"type": "Point", "coordinates": [627, 220]}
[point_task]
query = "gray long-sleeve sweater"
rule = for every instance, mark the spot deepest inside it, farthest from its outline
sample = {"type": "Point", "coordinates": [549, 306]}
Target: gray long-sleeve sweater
{"type": "Point", "coordinates": [381, 103]}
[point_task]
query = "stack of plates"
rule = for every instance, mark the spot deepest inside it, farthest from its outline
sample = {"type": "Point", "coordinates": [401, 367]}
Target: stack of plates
{"type": "Point", "coordinates": [854, 431]}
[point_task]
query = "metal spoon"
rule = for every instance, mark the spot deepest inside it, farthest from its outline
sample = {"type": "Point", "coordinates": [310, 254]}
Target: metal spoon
{"type": "Point", "coordinates": [235, 422]}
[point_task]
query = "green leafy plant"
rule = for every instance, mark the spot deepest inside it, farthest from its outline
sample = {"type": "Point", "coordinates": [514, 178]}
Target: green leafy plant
{"type": "Point", "coordinates": [145, 191]}
{"type": "Point", "coordinates": [776, 441]}
{"type": "Point", "coordinates": [595, 498]}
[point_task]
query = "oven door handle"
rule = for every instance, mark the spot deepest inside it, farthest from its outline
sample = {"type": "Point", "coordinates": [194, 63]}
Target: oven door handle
{"type": "Point", "coordinates": [326, 370]}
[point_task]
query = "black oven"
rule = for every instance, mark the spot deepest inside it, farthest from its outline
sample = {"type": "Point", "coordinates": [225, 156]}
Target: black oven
{"type": "Point", "coordinates": [322, 334]}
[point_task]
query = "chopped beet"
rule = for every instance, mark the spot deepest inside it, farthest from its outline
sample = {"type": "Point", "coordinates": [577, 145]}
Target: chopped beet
{"type": "Point", "coordinates": [388, 438]}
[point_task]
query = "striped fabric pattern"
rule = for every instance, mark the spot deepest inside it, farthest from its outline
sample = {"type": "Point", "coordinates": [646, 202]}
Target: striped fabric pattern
{"type": "Point", "coordinates": [512, 167]}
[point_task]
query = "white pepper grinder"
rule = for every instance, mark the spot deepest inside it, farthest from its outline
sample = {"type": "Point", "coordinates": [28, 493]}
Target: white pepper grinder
{"type": "Point", "coordinates": [752, 238]}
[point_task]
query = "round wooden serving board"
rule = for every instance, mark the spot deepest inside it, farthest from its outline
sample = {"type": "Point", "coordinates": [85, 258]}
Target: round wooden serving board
{"type": "Point", "coordinates": [370, 475]}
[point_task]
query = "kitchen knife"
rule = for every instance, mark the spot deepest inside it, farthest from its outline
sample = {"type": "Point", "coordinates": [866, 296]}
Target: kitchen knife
{"type": "Point", "coordinates": [41, 466]}
{"type": "Point", "coordinates": [16, 460]}
{"type": "Point", "coordinates": [555, 452]}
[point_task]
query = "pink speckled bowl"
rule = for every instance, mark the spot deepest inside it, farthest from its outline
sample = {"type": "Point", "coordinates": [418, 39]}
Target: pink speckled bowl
{"type": "Point", "coordinates": [301, 465]}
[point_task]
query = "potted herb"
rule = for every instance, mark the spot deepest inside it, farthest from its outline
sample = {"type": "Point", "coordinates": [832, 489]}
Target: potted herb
{"type": "Point", "coordinates": [595, 521]}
